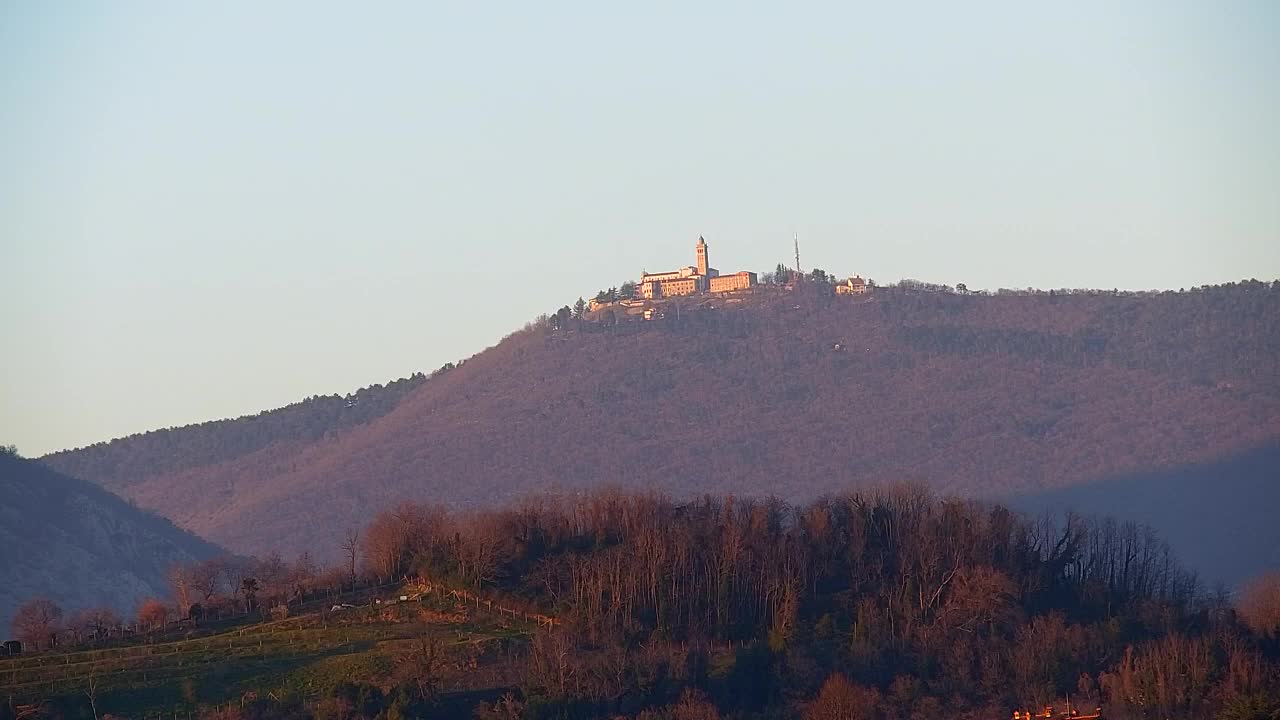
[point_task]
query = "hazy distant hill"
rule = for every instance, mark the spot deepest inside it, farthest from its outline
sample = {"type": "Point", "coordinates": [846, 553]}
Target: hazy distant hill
{"type": "Point", "coordinates": [790, 393]}
{"type": "Point", "coordinates": [1218, 517]}
{"type": "Point", "coordinates": [120, 463]}
{"type": "Point", "coordinates": [79, 545]}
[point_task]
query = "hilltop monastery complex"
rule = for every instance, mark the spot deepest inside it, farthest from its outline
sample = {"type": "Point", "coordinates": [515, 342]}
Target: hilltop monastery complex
{"type": "Point", "coordinates": [701, 278]}
{"type": "Point", "coordinates": [693, 279]}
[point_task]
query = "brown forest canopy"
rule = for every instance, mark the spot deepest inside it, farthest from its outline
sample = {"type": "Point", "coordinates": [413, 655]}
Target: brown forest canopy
{"type": "Point", "coordinates": [882, 603]}
{"type": "Point", "coordinates": [796, 393]}
{"type": "Point", "coordinates": [925, 602]}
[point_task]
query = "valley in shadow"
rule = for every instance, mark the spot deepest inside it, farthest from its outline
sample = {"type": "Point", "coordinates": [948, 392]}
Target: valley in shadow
{"type": "Point", "coordinates": [1219, 517]}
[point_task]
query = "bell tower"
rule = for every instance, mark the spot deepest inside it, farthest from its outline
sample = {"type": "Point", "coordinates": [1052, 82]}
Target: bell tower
{"type": "Point", "coordinates": [703, 264]}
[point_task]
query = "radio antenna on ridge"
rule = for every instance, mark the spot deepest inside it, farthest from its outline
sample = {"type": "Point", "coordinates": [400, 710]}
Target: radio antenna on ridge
{"type": "Point", "coordinates": [797, 239]}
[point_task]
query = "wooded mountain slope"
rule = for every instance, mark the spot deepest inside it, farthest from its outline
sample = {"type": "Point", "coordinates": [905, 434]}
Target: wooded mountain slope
{"type": "Point", "coordinates": [82, 547]}
{"type": "Point", "coordinates": [794, 394]}
{"type": "Point", "coordinates": [122, 462]}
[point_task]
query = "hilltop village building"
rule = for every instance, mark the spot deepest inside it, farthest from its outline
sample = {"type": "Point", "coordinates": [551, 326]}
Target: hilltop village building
{"type": "Point", "coordinates": [694, 279]}
{"type": "Point", "coordinates": [853, 286]}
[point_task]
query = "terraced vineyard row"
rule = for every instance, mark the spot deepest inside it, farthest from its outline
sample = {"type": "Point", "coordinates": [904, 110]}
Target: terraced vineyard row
{"type": "Point", "coordinates": [304, 654]}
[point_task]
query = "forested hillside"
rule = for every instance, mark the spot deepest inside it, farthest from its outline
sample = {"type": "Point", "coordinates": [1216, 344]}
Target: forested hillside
{"type": "Point", "coordinates": [74, 543]}
{"type": "Point", "coordinates": [885, 604]}
{"type": "Point", "coordinates": [923, 603]}
{"type": "Point", "coordinates": [789, 393]}
{"type": "Point", "coordinates": [119, 463]}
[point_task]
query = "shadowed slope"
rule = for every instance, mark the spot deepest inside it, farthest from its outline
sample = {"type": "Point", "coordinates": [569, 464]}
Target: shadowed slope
{"type": "Point", "coordinates": [1219, 517]}
{"type": "Point", "coordinates": [79, 545]}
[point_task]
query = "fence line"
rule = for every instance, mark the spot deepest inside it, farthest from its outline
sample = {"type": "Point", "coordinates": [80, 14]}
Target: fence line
{"type": "Point", "coordinates": [157, 659]}
{"type": "Point", "coordinates": [426, 586]}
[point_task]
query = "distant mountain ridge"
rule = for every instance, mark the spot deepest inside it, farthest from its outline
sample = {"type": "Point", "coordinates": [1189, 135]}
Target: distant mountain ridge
{"type": "Point", "coordinates": [81, 546]}
{"type": "Point", "coordinates": [120, 462]}
{"type": "Point", "coordinates": [794, 394]}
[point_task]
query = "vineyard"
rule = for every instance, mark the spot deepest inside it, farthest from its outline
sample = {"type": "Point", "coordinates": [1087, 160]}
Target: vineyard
{"type": "Point", "coordinates": [304, 656]}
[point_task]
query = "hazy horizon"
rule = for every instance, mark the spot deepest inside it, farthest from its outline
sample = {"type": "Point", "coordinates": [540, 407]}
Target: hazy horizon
{"type": "Point", "coordinates": [210, 211]}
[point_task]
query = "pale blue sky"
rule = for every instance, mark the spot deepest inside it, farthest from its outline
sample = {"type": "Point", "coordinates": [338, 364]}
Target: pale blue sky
{"type": "Point", "coordinates": [208, 209]}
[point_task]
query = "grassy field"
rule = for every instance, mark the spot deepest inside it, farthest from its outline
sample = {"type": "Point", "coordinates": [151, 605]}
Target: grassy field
{"type": "Point", "coordinates": [303, 656]}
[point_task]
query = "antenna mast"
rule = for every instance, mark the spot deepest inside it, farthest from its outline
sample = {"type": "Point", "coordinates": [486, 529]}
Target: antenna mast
{"type": "Point", "coordinates": [797, 239]}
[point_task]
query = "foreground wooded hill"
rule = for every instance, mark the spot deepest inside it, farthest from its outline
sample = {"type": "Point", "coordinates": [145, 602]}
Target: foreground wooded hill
{"type": "Point", "coordinates": [921, 603]}
{"type": "Point", "coordinates": [869, 605]}
{"type": "Point", "coordinates": [71, 541]}
{"type": "Point", "coordinates": [793, 394]}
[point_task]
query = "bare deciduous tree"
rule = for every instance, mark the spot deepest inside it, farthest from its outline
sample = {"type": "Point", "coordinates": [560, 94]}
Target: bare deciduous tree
{"type": "Point", "coordinates": [91, 692]}
{"type": "Point", "coordinates": [1259, 604]}
{"type": "Point", "coordinates": [36, 622]}
{"type": "Point", "coordinates": [153, 614]}
{"type": "Point", "coordinates": [840, 699]}
{"type": "Point", "coordinates": [420, 665]}
{"type": "Point", "coordinates": [181, 585]}
{"type": "Point", "coordinates": [351, 546]}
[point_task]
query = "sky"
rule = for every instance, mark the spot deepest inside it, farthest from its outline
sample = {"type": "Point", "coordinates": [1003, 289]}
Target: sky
{"type": "Point", "coordinates": [211, 209]}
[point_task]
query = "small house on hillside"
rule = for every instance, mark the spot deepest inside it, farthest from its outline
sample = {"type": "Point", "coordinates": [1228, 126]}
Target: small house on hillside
{"type": "Point", "coordinates": [853, 286]}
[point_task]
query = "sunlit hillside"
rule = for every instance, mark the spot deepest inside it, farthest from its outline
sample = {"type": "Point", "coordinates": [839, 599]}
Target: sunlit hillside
{"type": "Point", "coordinates": [794, 393]}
